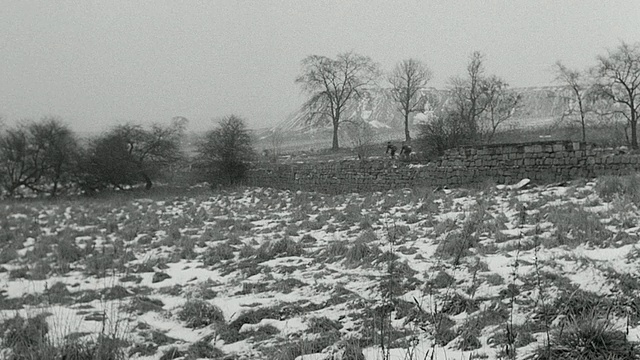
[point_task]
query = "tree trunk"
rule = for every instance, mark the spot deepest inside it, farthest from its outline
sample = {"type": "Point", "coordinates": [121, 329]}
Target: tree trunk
{"type": "Point", "coordinates": [582, 119]}
{"type": "Point", "coordinates": [407, 136]}
{"type": "Point", "coordinates": [147, 181]}
{"type": "Point", "coordinates": [634, 128]}
{"type": "Point", "coordinates": [11, 190]}
{"type": "Point", "coordinates": [54, 191]}
{"type": "Point", "coordinates": [335, 145]}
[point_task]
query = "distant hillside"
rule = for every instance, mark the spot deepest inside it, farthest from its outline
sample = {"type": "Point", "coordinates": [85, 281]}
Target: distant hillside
{"type": "Point", "coordinates": [378, 108]}
{"type": "Point", "coordinates": [540, 106]}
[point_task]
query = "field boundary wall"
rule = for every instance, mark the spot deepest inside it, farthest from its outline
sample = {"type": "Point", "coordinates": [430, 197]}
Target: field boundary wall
{"type": "Point", "coordinates": [542, 162]}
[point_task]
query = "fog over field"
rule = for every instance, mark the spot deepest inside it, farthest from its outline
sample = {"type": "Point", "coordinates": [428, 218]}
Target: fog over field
{"type": "Point", "coordinates": [95, 64]}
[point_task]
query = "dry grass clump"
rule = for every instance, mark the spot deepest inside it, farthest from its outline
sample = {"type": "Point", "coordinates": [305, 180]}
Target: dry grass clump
{"type": "Point", "coordinates": [610, 187]}
{"type": "Point", "coordinates": [287, 285]}
{"type": "Point", "coordinates": [576, 226]}
{"type": "Point", "coordinates": [198, 350]}
{"type": "Point", "coordinates": [203, 350]}
{"type": "Point", "coordinates": [215, 255]}
{"type": "Point", "coordinates": [108, 261]}
{"type": "Point", "coordinates": [323, 324]}
{"type": "Point", "coordinates": [457, 242]}
{"type": "Point", "coordinates": [518, 335]}
{"type": "Point", "coordinates": [334, 251]}
{"type": "Point", "coordinates": [27, 338]}
{"type": "Point", "coordinates": [296, 348]}
{"type": "Point", "coordinates": [260, 333]}
{"type": "Point", "coordinates": [590, 338]}
{"type": "Point", "coordinates": [280, 248]}
{"type": "Point", "coordinates": [468, 339]}
{"type": "Point", "coordinates": [455, 304]}
{"type": "Point", "coordinates": [439, 325]}
{"type": "Point", "coordinates": [399, 278]}
{"type": "Point", "coordinates": [579, 303]}
{"type": "Point", "coordinates": [230, 333]}
{"type": "Point", "coordinates": [199, 313]}
{"type": "Point", "coordinates": [442, 280]}
{"type": "Point", "coordinates": [143, 304]}
{"type": "Point", "coordinates": [58, 294]}
{"type": "Point", "coordinates": [361, 253]}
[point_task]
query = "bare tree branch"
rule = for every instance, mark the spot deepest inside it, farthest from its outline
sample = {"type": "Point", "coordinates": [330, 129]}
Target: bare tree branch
{"type": "Point", "coordinates": [333, 84]}
{"type": "Point", "coordinates": [407, 79]}
{"type": "Point", "coordinates": [618, 76]}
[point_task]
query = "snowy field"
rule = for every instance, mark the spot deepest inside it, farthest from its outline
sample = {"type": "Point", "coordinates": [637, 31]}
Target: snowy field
{"type": "Point", "coordinates": [267, 274]}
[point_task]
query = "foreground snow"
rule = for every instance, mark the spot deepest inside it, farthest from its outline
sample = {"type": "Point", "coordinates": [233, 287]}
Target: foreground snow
{"type": "Point", "coordinates": [304, 256]}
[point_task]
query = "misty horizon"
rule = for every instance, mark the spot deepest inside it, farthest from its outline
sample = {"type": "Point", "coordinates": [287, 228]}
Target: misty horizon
{"type": "Point", "coordinates": [98, 64]}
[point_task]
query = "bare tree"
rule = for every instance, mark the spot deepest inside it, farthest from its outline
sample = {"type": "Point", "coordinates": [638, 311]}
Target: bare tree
{"type": "Point", "coordinates": [225, 151]}
{"type": "Point", "coordinates": [481, 103]}
{"type": "Point", "coordinates": [501, 104]}
{"type": "Point", "coordinates": [407, 79]}
{"type": "Point", "coordinates": [361, 135]}
{"type": "Point", "coordinates": [333, 84]}
{"type": "Point", "coordinates": [445, 131]}
{"type": "Point", "coordinates": [37, 155]}
{"type": "Point", "coordinates": [618, 76]}
{"type": "Point", "coordinates": [579, 96]}
{"type": "Point", "coordinates": [477, 106]}
{"type": "Point", "coordinates": [60, 155]}
{"type": "Point", "coordinates": [129, 153]}
{"type": "Point", "coordinates": [17, 160]}
{"type": "Point", "coordinates": [469, 100]}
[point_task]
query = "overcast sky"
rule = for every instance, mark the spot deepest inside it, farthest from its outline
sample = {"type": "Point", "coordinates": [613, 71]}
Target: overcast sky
{"type": "Point", "coordinates": [99, 63]}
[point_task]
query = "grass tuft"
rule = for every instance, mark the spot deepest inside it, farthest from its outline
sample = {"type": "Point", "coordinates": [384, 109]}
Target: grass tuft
{"type": "Point", "coordinates": [199, 313]}
{"type": "Point", "coordinates": [610, 187]}
{"type": "Point", "coordinates": [589, 338]}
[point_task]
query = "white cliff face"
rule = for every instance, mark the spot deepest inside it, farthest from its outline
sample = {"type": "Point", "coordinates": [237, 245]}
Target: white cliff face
{"type": "Point", "coordinates": [377, 107]}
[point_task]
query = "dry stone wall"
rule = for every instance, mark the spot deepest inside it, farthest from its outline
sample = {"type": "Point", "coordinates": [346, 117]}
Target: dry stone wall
{"type": "Point", "coordinates": [542, 162]}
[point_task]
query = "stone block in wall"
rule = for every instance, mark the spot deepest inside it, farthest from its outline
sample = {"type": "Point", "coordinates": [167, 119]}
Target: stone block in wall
{"type": "Point", "coordinates": [496, 163]}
